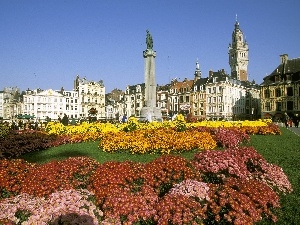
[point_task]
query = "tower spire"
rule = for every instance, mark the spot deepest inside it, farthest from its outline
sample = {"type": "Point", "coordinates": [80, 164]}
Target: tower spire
{"type": "Point", "coordinates": [238, 54]}
{"type": "Point", "coordinates": [197, 70]}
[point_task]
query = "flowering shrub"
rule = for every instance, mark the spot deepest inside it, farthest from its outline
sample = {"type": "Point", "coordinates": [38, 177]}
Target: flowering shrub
{"type": "Point", "coordinates": [17, 143]}
{"type": "Point", "coordinates": [244, 163]}
{"type": "Point", "coordinates": [231, 186]}
{"type": "Point", "coordinates": [240, 201]}
{"type": "Point", "coordinates": [271, 129]}
{"type": "Point", "coordinates": [59, 129]}
{"type": "Point", "coordinates": [114, 175]}
{"type": "Point", "coordinates": [12, 174]}
{"type": "Point", "coordinates": [179, 124]}
{"type": "Point", "coordinates": [76, 203]}
{"type": "Point", "coordinates": [59, 175]}
{"type": "Point", "coordinates": [179, 209]}
{"type": "Point", "coordinates": [132, 207]}
{"type": "Point", "coordinates": [191, 188]}
{"type": "Point", "coordinates": [152, 141]}
{"type": "Point", "coordinates": [131, 125]}
{"type": "Point", "coordinates": [230, 137]}
{"type": "Point", "coordinates": [235, 186]}
{"type": "Point", "coordinates": [168, 170]}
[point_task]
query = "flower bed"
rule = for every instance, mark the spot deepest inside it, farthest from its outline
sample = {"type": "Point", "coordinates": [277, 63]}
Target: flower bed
{"type": "Point", "coordinates": [234, 185]}
{"type": "Point", "coordinates": [231, 186]}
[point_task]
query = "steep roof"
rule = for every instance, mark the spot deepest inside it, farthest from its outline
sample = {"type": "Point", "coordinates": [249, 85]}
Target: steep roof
{"type": "Point", "coordinates": [201, 81]}
{"type": "Point", "coordinates": [290, 67]}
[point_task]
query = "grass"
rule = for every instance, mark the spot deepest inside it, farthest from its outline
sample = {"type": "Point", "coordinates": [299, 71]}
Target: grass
{"type": "Point", "coordinates": [89, 149]}
{"type": "Point", "coordinates": [282, 150]}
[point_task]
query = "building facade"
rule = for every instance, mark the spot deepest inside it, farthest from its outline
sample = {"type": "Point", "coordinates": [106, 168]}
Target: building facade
{"type": "Point", "coordinates": [73, 107]}
{"type": "Point", "coordinates": [198, 95]}
{"type": "Point", "coordinates": [280, 91]}
{"type": "Point", "coordinates": [134, 100]}
{"type": "Point", "coordinates": [10, 102]}
{"type": "Point", "coordinates": [91, 95]}
{"type": "Point", "coordinates": [162, 99]}
{"type": "Point", "coordinates": [43, 104]}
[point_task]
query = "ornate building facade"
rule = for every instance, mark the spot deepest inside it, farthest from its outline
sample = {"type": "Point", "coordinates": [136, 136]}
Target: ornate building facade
{"type": "Point", "coordinates": [134, 100]}
{"type": "Point", "coordinates": [10, 102]}
{"type": "Point", "coordinates": [91, 95]}
{"type": "Point", "coordinates": [44, 104]}
{"type": "Point", "coordinates": [280, 91]}
{"type": "Point", "coordinates": [180, 96]}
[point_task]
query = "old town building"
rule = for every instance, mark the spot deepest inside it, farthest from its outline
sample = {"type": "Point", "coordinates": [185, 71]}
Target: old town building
{"type": "Point", "coordinates": [114, 104]}
{"type": "Point", "coordinates": [91, 96]}
{"type": "Point", "coordinates": [198, 95]}
{"type": "Point", "coordinates": [179, 96]}
{"type": "Point", "coordinates": [134, 99]}
{"type": "Point", "coordinates": [10, 102]}
{"type": "Point", "coordinates": [230, 99]}
{"type": "Point", "coordinates": [44, 104]}
{"type": "Point", "coordinates": [73, 108]}
{"type": "Point", "coordinates": [162, 99]}
{"type": "Point", "coordinates": [280, 91]}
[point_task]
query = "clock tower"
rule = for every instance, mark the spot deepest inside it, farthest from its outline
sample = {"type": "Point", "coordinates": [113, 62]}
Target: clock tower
{"type": "Point", "coordinates": [238, 54]}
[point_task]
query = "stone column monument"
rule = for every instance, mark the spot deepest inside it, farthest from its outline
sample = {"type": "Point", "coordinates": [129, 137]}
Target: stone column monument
{"type": "Point", "coordinates": [150, 112]}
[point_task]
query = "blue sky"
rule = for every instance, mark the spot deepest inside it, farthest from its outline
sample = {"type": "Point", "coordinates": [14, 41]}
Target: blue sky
{"type": "Point", "coordinates": [45, 44]}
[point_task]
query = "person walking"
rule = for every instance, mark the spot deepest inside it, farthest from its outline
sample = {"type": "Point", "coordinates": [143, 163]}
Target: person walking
{"type": "Point", "coordinates": [286, 120]}
{"type": "Point", "coordinates": [296, 120]}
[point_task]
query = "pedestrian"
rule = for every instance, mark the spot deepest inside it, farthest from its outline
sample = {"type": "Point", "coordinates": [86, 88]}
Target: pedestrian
{"type": "Point", "coordinates": [296, 120]}
{"type": "Point", "coordinates": [286, 120]}
{"type": "Point", "coordinates": [124, 119]}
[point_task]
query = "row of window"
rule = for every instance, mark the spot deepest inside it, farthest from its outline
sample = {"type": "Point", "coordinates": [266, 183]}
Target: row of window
{"type": "Point", "coordinates": [278, 92]}
{"type": "Point", "coordinates": [279, 106]}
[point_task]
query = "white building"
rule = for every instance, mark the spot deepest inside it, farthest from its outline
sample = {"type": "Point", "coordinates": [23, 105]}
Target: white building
{"type": "Point", "coordinates": [73, 108]}
{"type": "Point", "coordinates": [91, 95]}
{"type": "Point", "coordinates": [134, 100]}
{"type": "Point", "coordinates": [43, 104]}
{"type": "Point", "coordinates": [228, 98]}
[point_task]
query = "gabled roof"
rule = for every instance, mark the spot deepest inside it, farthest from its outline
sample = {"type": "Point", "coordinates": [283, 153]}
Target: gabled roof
{"type": "Point", "coordinates": [290, 67]}
{"type": "Point", "coordinates": [218, 76]}
{"type": "Point", "coordinates": [201, 81]}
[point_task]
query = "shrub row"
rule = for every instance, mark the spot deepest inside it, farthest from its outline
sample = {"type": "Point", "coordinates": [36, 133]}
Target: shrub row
{"type": "Point", "coordinates": [163, 140]}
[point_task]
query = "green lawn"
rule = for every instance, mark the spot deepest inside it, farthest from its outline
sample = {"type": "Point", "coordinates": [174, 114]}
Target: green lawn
{"type": "Point", "coordinates": [282, 150]}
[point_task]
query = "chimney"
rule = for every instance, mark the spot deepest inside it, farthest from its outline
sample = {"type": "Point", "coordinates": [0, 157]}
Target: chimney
{"type": "Point", "coordinates": [283, 58]}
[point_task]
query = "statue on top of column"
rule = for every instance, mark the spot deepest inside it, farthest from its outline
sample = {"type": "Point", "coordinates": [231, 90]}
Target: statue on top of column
{"type": "Point", "coordinates": [149, 40]}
